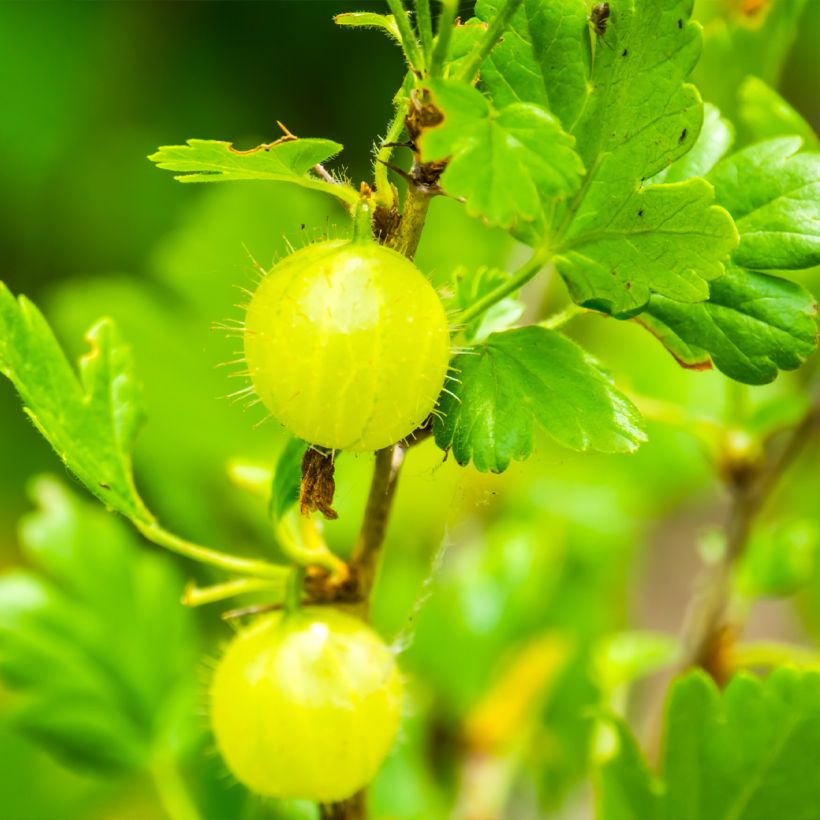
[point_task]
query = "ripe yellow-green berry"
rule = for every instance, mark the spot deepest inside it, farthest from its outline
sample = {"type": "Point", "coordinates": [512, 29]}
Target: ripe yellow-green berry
{"type": "Point", "coordinates": [347, 344]}
{"type": "Point", "coordinates": [306, 705]}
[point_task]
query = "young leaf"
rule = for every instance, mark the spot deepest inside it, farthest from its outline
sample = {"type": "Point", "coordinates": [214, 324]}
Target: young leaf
{"type": "Point", "coordinates": [765, 114]}
{"type": "Point", "coordinates": [369, 19]}
{"type": "Point", "coordinates": [504, 164]}
{"type": "Point", "coordinates": [286, 160]}
{"type": "Point", "coordinates": [95, 639]}
{"type": "Point", "coordinates": [531, 376]}
{"type": "Point", "coordinates": [752, 325]}
{"type": "Point", "coordinates": [773, 193]}
{"type": "Point", "coordinates": [748, 752]}
{"type": "Point", "coordinates": [624, 98]}
{"type": "Point", "coordinates": [90, 421]}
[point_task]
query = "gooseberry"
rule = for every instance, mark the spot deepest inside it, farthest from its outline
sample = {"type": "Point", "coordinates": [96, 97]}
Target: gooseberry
{"type": "Point", "coordinates": [347, 344]}
{"type": "Point", "coordinates": [306, 705]}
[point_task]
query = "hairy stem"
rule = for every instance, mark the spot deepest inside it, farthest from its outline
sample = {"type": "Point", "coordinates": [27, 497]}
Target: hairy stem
{"type": "Point", "coordinates": [561, 318]}
{"type": "Point", "coordinates": [497, 27]}
{"type": "Point", "coordinates": [408, 39]}
{"type": "Point", "coordinates": [384, 195]}
{"type": "Point", "coordinates": [441, 46]}
{"type": "Point", "coordinates": [424, 23]}
{"type": "Point", "coordinates": [710, 628]}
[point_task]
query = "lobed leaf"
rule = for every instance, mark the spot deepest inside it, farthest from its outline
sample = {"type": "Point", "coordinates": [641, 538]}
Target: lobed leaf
{"type": "Point", "coordinates": [748, 753]}
{"type": "Point", "coordinates": [773, 193]}
{"type": "Point", "coordinates": [504, 164]}
{"type": "Point", "coordinates": [90, 418]}
{"type": "Point", "coordinates": [662, 239]}
{"type": "Point", "coordinates": [624, 98]}
{"type": "Point", "coordinates": [286, 160]}
{"type": "Point", "coordinates": [531, 376]}
{"type": "Point", "coordinates": [752, 325]}
{"type": "Point", "coordinates": [94, 640]}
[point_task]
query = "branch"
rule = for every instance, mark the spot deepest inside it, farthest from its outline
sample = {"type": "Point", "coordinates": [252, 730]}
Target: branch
{"type": "Point", "coordinates": [367, 555]}
{"type": "Point", "coordinates": [710, 630]}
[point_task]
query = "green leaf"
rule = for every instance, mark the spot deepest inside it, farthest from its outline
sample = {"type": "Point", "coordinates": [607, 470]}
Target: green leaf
{"type": "Point", "coordinates": [627, 789]}
{"type": "Point", "coordinates": [625, 100]}
{"type": "Point", "coordinates": [468, 288]}
{"type": "Point", "coordinates": [765, 114]}
{"type": "Point", "coordinates": [662, 239]}
{"type": "Point", "coordinates": [504, 164]}
{"type": "Point", "coordinates": [286, 160]}
{"type": "Point", "coordinates": [287, 478]}
{"type": "Point", "coordinates": [752, 325]}
{"type": "Point", "coordinates": [748, 753]}
{"type": "Point", "coordinates": [715, 139]}
{"type": "Point", "coordinates": [95, 640]}
{"type": "Point", "coordinates": [773, 193]}
{"type": "Point", "coordinates": [90, 421]}
{"type": "Point", "coordinates": [531, 376]}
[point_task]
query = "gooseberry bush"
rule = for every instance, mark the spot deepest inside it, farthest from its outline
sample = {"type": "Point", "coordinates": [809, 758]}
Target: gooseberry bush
{"type": "Point", "coordinates": [575, 134]}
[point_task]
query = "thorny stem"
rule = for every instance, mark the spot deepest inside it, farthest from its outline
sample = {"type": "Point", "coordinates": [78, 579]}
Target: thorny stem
{"type": "Point", "coordinates": [497, 27]}
{"type": "Point", "coordinates": [710, 627]}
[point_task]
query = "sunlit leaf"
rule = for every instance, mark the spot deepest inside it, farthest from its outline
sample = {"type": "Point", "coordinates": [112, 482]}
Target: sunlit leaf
{"type": "Point", "coordinates": [286, 160]}
{"type": "Point", "coordinates": [525, 377]}
{"type": "Point", "coordinates": [90, 418]}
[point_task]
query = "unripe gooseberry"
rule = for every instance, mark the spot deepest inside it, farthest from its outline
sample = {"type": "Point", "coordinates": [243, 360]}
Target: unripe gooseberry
{"type": "Point", "coordinates": [347, 344]}
{"type": "Point", "coordinates": [306, 705]}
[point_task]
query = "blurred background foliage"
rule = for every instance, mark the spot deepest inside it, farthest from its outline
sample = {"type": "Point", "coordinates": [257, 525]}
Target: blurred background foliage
{"type": "Point", "coordinates": [522, 603]}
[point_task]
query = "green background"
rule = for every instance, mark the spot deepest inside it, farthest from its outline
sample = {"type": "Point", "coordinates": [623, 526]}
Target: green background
{"type": "Point", "coordinates": [551, 558]}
